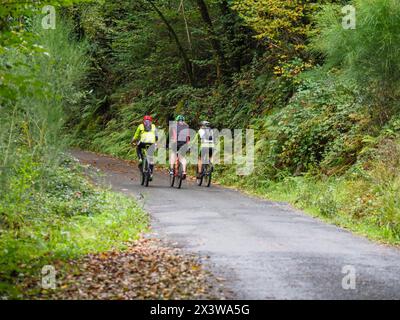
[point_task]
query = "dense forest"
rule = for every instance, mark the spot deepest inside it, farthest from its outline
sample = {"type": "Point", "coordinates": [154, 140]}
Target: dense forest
{"type": "Point", "coordinates": [321, 95]}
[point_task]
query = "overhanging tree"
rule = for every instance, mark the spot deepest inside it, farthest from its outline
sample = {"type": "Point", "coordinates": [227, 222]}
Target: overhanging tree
{"type": "Point", "coordinates": [187, 63]}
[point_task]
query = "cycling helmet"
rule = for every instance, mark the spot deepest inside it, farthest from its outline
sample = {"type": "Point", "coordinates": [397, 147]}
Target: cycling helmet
{"type": "Point", "coordinates": [148, 118]}
{"type": "Point", "coordinates": [205, 124]}
{"type": "Point", "coordinates": [180, 118]}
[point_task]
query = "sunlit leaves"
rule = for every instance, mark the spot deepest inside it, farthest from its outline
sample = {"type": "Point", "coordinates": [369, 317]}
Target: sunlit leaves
{"type": "Point", "coordinates": [282, 24]}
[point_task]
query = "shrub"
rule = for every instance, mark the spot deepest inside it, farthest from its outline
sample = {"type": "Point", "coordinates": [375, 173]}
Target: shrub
{"type": "Point", "coordinates": [368, 54]}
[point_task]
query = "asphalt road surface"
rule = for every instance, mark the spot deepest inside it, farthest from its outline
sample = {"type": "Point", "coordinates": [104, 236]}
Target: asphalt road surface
{"type": "Point", "coordinates": [264, 250]}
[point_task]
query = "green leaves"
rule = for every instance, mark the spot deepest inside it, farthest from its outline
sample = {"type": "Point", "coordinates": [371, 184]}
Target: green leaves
{"type": "Point", "coordinates": [282, 25]}
{"type": "Point", "coordinates": [368, 54]}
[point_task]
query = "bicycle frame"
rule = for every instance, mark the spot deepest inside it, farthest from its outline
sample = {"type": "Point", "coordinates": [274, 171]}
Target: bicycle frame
{"type": "Point", "coordinates": [145, 169]}
{"type": "Point", "coordinates": [177, 175]}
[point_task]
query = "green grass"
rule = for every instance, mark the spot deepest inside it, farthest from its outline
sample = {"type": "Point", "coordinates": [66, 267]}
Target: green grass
{"type": "Point", "coordinates": [68, 219]}
{"type": "Point", "coordinates": [336, 200]}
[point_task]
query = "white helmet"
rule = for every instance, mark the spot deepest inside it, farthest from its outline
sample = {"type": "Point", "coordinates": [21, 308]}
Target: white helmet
{"type": "Point", "coordinates": [205, 124]}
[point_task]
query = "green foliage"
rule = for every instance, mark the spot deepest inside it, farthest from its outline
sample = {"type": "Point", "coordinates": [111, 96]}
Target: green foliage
{"type": "Point", "coordinates": [136, 63]}
{"type": "Point", "coordinates": [369, 53]}
{"type": "Point", "coordinates": [283, 26]}
{"type": "Point", "coordinates": [11, 8]}
{"type": "Point", "coordinates": [68, 218]}
{"type": "Point", "coordinates": [45, 70]}
{"type": "Point", "coordinates": [322, 126]}
{"type": "Point", "coordinates": [47, 211]}
{"type": "Point", "coordinates": [43, 86]}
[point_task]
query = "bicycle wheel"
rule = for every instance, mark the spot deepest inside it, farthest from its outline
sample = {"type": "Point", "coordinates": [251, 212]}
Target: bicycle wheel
{"type": "Point", "coordinates": [199, 177]}
{"type": "Point", "coordinates": [142, 173]}
{"type": "Point", "coordinates": [179, 177]}
{"type": "Point", "coordinates": [146, 174]}
{"type": "Point", "coordinates": [207, 176]}
{"type": "Point", "coordinates": [172, 178]}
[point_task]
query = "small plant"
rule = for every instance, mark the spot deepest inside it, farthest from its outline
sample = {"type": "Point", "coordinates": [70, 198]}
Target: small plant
{"type": "Point", "coordinates": [327, 204]}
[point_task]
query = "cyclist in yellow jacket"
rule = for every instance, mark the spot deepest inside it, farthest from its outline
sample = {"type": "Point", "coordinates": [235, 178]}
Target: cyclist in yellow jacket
{"type": "Point", "coordinates": [145, 136]}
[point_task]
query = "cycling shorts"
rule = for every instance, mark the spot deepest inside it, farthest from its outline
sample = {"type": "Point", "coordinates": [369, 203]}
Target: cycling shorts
{"type": "Point", "coordinates": [204, 151]}
{"type": "Point", "coordinates": [176, 146]}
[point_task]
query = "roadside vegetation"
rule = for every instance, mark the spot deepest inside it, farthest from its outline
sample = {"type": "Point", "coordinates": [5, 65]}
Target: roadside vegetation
{"type": "Point", "coordinates": [48, 210]}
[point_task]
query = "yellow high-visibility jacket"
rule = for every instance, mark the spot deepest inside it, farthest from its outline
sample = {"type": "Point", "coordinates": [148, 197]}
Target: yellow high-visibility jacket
{"type": "Point", "coordinates": [145, 136]}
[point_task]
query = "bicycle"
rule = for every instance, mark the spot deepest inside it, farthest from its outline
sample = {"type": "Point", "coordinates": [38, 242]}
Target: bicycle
{"type": "Point", "coordinates": [206, 169]}
{"type": "Point", "coordinates": [205, 175]}
{"type": "Point", "coordinates": [145, 169]}
{"type": "Point", "coordinates": [177, 177]}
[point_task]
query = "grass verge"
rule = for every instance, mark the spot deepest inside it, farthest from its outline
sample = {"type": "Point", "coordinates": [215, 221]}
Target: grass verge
{"type": "Point", "coordinates": [361, 205]}
{"type": "Point", "coordinates": [66, 219]}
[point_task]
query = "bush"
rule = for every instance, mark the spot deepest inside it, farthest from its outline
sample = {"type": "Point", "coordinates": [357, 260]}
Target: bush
{"type": "Point", "coordinates": [320, 130]}
{"type": "Point", "coordinates": [368, 54]}
{"type": "Point", "coordinates": [46, 70]}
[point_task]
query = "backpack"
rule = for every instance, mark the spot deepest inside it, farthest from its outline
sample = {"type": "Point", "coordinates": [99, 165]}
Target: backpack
{"type": "Point", "coordinates": [182, 132]}
{"type": "Point", "coordinates": [206, 137]}
{"type": "Point", "coordinates": [147, 125]}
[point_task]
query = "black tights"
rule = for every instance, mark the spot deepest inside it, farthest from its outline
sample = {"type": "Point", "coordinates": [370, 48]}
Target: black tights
{"type": "Point", "coordinates": [139, 151]}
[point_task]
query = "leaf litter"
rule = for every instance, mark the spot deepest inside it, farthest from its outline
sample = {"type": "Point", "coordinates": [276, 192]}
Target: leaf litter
{"type": "Point", "coordinates": [149, 269]}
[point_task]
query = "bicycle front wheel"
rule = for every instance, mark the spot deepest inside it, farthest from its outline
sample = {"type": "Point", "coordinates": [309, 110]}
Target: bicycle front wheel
{"type": "Point", "coordinates": [142, 173]}
{"type": "Point", "coordinates": [199, 177]}
{"type": "Point", "coordinates": [146, 175]}
{"type": "Point", "coordinates": [207, 176]}
{"type": "Point", "coordinates": [172, 179]}
{"type": "Point", "coordinates": [179, 177]}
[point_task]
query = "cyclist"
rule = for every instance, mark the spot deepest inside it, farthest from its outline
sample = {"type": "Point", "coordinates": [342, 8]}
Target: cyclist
{"type": "Point", "coordinates": [179, 137]}
{"type": "Point", "coordinates": [205, 136]}
{"type": "Point", "coordinates": [145, 136]}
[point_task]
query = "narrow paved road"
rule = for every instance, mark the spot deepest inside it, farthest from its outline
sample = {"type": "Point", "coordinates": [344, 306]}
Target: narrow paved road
{"type": "Point", "coordinates": [266, 250]}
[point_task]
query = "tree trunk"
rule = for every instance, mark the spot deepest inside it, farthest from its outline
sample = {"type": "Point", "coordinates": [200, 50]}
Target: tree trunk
{"type": "Point", "coordinates": [188, 34]}
{"type": "Point", "coordinates": [215, 43]}
{"type": "Point", "coordinates": [188, 64]}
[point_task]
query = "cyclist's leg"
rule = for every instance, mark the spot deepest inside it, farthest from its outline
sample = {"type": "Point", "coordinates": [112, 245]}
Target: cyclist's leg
{"type": "Point", "coordinates": [139, 152]}
{"type": "Point", "coordinates": [184, 163]}
{"type": "Point", "coordinates": [211, 154]}
{"type": "Point", "coordinates": [150, 156]}
{"type": "Point", "coordinates": [199, 166]}
{"type": "Point", "coordinates": [172, 158]}
{"type": "Point", "coordinates": [200, 162]}
{"type": "Point", "coordinates": [182, 157]}
{"type": "Point", "coordinates": [205, 155]}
